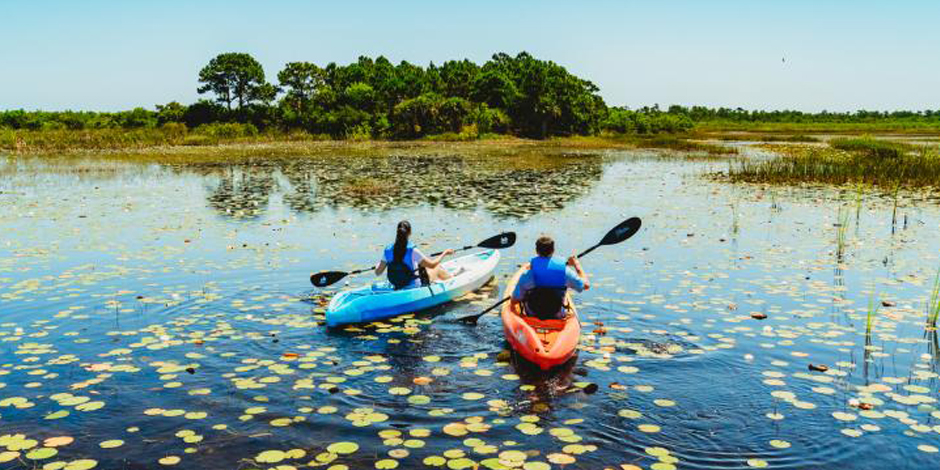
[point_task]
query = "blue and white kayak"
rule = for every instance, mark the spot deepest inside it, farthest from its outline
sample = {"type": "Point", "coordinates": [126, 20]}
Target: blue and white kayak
{"type": "Point", "coordinates": [380, 300]}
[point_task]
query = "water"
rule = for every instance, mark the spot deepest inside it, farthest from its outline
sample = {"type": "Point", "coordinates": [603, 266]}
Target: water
{"type": "Point", "coordinates": [161, 315]}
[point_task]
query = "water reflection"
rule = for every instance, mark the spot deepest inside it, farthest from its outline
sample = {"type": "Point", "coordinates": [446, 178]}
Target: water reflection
{"type": "Point", "coordinates": [512, 188]}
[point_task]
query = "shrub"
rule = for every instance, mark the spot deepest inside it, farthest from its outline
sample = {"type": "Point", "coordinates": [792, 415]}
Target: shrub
{"type": "Point", "coordinates": [227, 130]}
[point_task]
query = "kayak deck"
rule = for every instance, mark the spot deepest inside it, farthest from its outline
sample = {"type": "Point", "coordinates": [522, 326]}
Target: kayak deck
{"type": "Point", "coordinates": [546, 343]}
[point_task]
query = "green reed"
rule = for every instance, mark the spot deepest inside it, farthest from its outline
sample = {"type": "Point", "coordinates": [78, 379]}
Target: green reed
{"type": "Point", "coordinates": [859, 198]}
{"type": "Point", "coordinates": [872, 314]}
{"type": "Point", "coordinates": [842, 225]}
{"type": "Point", "coordinates": [933, 307]}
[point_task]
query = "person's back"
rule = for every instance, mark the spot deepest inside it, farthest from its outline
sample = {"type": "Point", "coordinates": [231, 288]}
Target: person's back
{"type": "Point", "coordinates": [403, 261]}
{"type": "Point", "coordinates": [543, 287]}
{"type": "Point", "coordinates": [401, 265]}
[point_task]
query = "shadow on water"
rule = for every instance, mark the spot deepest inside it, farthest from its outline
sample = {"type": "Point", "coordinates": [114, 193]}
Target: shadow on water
{"type": "Point", "coordinates": [515, 188]}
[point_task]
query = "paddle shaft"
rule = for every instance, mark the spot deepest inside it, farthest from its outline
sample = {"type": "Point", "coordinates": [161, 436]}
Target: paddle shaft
{"type": "Point", "coordinates": [588, 250]}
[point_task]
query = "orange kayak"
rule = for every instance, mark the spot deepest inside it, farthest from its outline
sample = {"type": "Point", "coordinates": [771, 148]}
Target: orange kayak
{"type": "Point", "coordinates": [545, 343]}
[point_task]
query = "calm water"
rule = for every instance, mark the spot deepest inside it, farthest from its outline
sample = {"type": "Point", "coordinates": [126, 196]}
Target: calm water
{"type": "Point", "coordinates": [158, 315]}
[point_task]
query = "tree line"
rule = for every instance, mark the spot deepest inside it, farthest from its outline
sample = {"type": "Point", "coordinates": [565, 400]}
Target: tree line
{"type": "Point", "coordinates": [374, 98]}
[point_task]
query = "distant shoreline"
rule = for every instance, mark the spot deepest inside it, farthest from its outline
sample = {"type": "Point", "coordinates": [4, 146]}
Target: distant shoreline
{"type": "Point", "coordinates": [159, 140]}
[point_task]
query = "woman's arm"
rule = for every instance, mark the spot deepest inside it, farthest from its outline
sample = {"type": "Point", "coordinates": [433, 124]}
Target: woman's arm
{"type": "Point", "coordinates": [380, 268]}
{"type": "Point", "coordinates": [431, 264]}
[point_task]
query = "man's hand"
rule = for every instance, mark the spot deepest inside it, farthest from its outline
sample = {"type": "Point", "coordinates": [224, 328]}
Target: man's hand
{"type": "Point", "coordinates": [574, 262]}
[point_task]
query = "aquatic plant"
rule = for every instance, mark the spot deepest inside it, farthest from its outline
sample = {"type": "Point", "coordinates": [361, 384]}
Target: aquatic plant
{"type": "Point", "coordinates": [735, 224]}
{"type": "Point", "coordinates": [876, 148]}
{"type": "Point", "coordinates": [859, 197]}
{"type": "Point", "coordinates": [894, 210]}
{"type": "Point", "coordinates": [933, 305]}
{"type": "Point", "coordinates": [764, 137]}
{"type": "Point", "coordinates": [841, 229]}
{"type": "Point", "coordinates": [824, 165]}
{"type": "Point", "coordinates": [872, 313]}
{"type": "Point", "coordinates": [685, 145]}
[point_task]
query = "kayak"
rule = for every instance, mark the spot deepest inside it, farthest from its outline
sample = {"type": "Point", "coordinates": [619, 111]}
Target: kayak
{"type": "Point", "coordinates": [545, 343]}
{"type": "Point", "coordinates": [381, 300]}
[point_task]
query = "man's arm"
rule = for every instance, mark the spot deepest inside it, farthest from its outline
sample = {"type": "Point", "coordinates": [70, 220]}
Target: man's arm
{"type": "Point", "coordinates": [576, 278]}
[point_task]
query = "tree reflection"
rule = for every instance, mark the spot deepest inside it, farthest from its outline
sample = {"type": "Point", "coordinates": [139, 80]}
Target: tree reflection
{"type": "Point", "coordinates": [505, 187]}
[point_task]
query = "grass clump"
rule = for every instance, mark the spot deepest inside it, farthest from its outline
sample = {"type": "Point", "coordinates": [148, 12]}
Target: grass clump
{"type": "Point", "coordinates": [875, 148]}
{"type": "Point", "coordinates": [684, 145]}
{"type": "Point", "coordinates": [826, 165]}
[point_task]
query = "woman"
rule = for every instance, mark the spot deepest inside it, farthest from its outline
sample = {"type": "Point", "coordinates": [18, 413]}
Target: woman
{"type": "Point", "coordinates": [402, 260]}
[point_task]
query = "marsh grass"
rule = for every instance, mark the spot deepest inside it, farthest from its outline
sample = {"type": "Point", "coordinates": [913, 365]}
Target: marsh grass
{"type": "Point", "coordinates": [859, 198]}
{"type": "Point", "coordinates": [933, 305]}
{"type": "Point", "coordinates": [681, 144]}
{"type": "Point", "coordinates": [870, 318]}
{"type": "Point", "coordinates": [747, 137]}
{"type": "Point", "coordinates": [157, 140]}
{"type": "Point", "coordinates": [894, 209]}
{"type": "Point", "coordinates": [170, 135]}
{"type": "Point", "coordinates": [880, 126]}
{"type": "Point", "coordinates": [875, 148]}
{"type": "Point", "coordinates": [825, 165]}
{"type": "Point", "coordinates": [842, 226]}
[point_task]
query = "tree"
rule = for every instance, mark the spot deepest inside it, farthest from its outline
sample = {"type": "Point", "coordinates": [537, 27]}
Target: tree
{"type": "Point", "coordinates": [235, 77]}
{"type": "Point", "coordinates": [170, 112]}
{"type": "Point", "coordinates": [301, 81]}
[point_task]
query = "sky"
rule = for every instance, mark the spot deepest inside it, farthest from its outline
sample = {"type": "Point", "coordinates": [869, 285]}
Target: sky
{"type": "Point", "coordinates": [810, 55]}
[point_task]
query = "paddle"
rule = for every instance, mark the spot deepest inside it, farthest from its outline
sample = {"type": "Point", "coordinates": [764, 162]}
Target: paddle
{"type": "Point", "coordinates": [621, 232]}
{"type": "Point", "coordinates": [326, 278]}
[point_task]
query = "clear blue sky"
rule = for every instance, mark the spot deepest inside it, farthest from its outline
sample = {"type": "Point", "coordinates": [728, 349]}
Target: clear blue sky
{"type": "Point", "coordinates": [840, 55]}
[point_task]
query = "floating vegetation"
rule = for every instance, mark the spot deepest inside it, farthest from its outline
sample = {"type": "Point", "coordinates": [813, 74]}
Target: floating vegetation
{"type": "Point", "coordinates": [503, 185]}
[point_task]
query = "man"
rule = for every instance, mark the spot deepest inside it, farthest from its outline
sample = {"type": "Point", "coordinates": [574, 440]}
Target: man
{"type": "Point", "coordinates": [543, 286]}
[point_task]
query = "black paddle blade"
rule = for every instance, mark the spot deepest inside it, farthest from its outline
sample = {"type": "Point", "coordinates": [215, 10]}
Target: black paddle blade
{"type": "Point", "coordinates": [503, 240]}
{"type": "Point", "coordinates": [470, 319]}
{"type": "Point", "coordinates": [625, 230]}
{"type": "Point", "coordinates": [325, 278]}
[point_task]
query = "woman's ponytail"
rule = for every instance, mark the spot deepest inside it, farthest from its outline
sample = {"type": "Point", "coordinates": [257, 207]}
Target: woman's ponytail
{"type": "Point", "coordinates": [401, 240]}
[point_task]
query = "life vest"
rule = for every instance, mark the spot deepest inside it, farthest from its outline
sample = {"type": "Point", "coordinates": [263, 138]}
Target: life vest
{"type": "Point", "coordinates": [401, 273]}
{"type": "Point", "coordinates": [546, 299]}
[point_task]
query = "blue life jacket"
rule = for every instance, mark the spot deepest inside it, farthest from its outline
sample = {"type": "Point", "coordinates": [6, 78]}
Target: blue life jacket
{"type": "Point", "coordinates": [546, 299]}
{"type": "Point", "coordinates": [401, 273]}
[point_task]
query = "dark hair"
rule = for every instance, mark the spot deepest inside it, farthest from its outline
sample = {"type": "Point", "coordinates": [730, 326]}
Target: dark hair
{"type": "Point", "coordinates": [401, 240]}
{"type": "Point", "coordinates": [545, 246]}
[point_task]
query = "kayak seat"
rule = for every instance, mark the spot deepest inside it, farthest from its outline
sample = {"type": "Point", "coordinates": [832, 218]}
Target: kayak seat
{"type": "Point", "coordinates": [547, 330]}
